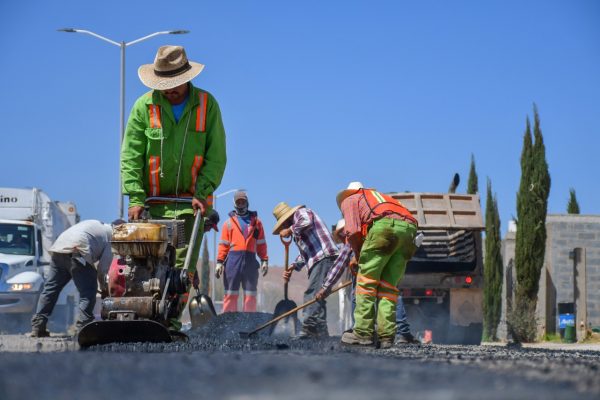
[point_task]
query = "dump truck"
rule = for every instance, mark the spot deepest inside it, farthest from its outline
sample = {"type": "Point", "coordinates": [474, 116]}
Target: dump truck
{"type": "Point", "coordinates": [443, 285]}
{"type": "Point", "coordinates": [30, 221]}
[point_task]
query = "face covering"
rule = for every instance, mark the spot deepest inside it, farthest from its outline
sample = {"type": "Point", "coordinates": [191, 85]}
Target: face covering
{"type": "Point", "coordinates": [243, 210]}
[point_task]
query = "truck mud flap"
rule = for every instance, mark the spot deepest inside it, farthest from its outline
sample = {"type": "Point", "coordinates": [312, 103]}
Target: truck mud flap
{"type": "Point", "coordinates": [104, 332]}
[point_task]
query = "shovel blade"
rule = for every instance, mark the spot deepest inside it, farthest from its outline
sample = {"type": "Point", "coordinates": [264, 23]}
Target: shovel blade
{"type": "Point", "coordinates": [104, 332]}
{"type": "Point", "coordinates": [201, 310]}
{"type": "Point", "coordinates": [289, 325]}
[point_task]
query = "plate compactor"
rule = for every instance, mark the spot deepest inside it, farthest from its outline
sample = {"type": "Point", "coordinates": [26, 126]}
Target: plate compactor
{"type": "Point", "coordinates": [145, 289]}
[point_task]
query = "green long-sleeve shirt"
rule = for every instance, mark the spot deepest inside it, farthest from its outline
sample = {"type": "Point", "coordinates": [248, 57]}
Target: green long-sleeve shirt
{"type": "Point", "coordinates": [156, 150]}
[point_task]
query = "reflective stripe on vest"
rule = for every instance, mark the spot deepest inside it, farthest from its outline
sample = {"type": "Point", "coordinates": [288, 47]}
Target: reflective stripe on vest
{"type": "Point", "coordinates": [154, 112]}
{"type": "Point", "coordinates": [198, 160]}
{"type": "Point", "coordinates": [154, 171]}
{"type": "Point", "coordinates": [201, 112]}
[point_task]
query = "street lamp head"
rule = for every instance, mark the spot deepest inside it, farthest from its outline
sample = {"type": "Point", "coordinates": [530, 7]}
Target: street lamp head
{"type": "Point", "coordinates": [67, 30]}
{"type": "Point", "coordinates": [179, 32]}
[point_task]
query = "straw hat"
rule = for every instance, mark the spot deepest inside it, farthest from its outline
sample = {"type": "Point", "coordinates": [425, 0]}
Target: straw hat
{"type": "Point", "coordinates": [171, 68]}
{"type": "Point", "coordinates": [282, 212]}
{"type": "Point", "coordinates": [341, 224]}
{"type": "Point", "coordinates": [350, 190]}
{"type": "Point", "coordinates": [339, 227]}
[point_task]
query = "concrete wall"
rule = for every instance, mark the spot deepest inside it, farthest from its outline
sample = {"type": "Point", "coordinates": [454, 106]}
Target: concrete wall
{"type": "Point", "coordinates": [567, 275]}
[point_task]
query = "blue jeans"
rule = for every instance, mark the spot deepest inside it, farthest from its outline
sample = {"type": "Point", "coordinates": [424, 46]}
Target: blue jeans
{"type": "Point", "coordinates": [402, 325]}
{"type": "Point", "coordinates": [63, 268]}
{"type": "Point", "coordinates": [315, 315]}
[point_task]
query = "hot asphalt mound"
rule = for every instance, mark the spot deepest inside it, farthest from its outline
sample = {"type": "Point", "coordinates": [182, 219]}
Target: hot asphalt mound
{"type": "Point", "coordinates": [222, 333]}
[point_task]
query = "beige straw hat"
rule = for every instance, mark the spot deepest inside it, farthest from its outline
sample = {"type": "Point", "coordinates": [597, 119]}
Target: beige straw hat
{"type": "Point", "coordinates": [282, 212]}
{"type": "Point", "coordinates": [352, 188]}
{"type": "Point", "coordinates": [171, 68]}
{"type": "Point", "coordinates": [339, 227]}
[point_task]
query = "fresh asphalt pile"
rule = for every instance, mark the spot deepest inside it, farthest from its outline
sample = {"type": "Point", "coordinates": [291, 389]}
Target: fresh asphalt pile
{"type": "Point", "coordinates": [222, 333]}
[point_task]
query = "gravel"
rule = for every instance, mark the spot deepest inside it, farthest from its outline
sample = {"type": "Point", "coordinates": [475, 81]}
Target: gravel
{"type": "Point", "coordinates": [217, 363]}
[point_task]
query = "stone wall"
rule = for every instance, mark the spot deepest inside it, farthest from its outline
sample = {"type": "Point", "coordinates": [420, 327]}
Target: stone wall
{"type": "Point", "coordinates": [566, 232]}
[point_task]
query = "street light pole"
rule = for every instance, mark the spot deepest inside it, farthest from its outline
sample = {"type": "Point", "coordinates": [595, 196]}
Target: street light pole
{"type": "Point", "coordinates": [212, 275]}
{"type": "Point", "coordinates": [123, 46]}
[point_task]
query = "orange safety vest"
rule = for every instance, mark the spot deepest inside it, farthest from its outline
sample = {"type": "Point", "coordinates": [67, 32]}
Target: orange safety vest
{"type": "Point", "coordinates": [232, 238]}
{"type": "Point", "coordinates": [155, 116]}
{"type": "Point", "coordinates": [381, 205]}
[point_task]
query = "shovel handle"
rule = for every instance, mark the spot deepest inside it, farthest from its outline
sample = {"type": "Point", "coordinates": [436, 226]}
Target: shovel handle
{"type": "Point", "coordinates": [292, 311]}
{"type": "Point", "coordinates": [286, 245]}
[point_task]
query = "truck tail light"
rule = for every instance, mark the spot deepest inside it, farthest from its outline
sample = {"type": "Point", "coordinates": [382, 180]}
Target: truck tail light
{"type": "Point", "coordinates": [428, 292]}
{"type": "Point", "coordinates": [468, 280]}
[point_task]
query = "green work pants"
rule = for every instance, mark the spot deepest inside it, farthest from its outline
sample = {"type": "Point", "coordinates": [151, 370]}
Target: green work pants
{"type": "Point", "coordinates": [387, 248]}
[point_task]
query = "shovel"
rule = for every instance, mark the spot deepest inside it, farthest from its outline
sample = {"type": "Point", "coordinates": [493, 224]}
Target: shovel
{"type": "Point", "coordinates": [200, 307]}
{"type": "Point", "coordinates": [286, 304]}
{"type": "Point", "coordinates": [245, 335]}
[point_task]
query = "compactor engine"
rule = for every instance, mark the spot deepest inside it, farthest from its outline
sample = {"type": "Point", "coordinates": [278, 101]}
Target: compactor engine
{"type": "Point", "coordinates": [144, 287]}
{"type": "Point", "coordinates": [146, 264]}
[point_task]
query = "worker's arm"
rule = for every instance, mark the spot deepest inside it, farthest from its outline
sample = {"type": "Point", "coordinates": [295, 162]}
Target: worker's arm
{"type": "Point", "coordinates": [356, 241]}
{"type": "Point", "coordinates": [261, 242]}
{"type": "Point", "coordinates": [353, 223]}
{"type": "Point", "coordinates": [215, 155]}
{"type": "Point", "coordinates": [302, 220]}
{"type": "Point", "coordinates": [298, 263]}
{"type": "Point", "coordinates": [133, 151]}
{"type": "Point", "coordinates": [336, 270]}
{"type": "Point", "coordinates": [224, 243]}
{"type": "Point", "coordinates": [103, 266]}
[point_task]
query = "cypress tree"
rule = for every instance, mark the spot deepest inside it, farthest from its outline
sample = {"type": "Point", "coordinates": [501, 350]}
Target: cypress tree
{"type": "Point", "coordinates": [540, 194]}
{"type": "Point", "coordinates": [573, 205]}
{"type": "Point", "coordinates": [492, 269]}
{"type": "Point", "coordinates": [472, 184]}
{"type": "Point", "coordinates": [532, 206]}
{"type": "Point", "coordinates": [523, 236]}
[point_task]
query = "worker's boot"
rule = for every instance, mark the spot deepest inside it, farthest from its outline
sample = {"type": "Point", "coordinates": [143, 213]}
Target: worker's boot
{"type": "Point", "coordinates": [407, 338]}
{"type": "Point", "coordinates": [39, 331]}
{"type": "Point", "coordinates": [352, 338]}
{"type": "Point", "coordinates": [386, 342]}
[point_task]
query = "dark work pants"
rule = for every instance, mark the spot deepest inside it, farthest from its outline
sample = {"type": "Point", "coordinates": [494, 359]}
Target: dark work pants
{"type": "Point", "coordinates": [63, 268]}
{"type": "Point", "coordinates": [315, 315]}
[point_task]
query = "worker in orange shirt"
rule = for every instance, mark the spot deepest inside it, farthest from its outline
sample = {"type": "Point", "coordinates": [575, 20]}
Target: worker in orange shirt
{"type": "Point", "coordinates": [242, 238]}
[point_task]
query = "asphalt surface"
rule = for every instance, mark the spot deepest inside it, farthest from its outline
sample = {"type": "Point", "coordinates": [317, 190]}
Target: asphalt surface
{"type": "Point", "coordinates": [217, 364]}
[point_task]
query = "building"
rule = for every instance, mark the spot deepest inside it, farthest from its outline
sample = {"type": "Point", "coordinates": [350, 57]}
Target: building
{"type": "Point", "coordinates": [570, 276]}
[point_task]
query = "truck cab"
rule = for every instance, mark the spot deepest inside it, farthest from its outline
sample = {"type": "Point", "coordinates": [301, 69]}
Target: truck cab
{"type": "Point", "coordinates": [29, 224]}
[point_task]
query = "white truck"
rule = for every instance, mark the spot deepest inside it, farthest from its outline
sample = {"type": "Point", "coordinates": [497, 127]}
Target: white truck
{"type": "Point", "coordinates": [29, 223]}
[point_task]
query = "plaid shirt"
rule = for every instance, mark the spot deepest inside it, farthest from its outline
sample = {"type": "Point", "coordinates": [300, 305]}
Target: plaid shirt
{"type": "Point", "coordinates": [312, 237]}
{"type": "Point", "coordinates": [337, 269]}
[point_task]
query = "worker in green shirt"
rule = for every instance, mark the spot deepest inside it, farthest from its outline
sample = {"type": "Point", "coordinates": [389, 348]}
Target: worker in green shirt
{"type": "Point", "coordinates": [174, 146]}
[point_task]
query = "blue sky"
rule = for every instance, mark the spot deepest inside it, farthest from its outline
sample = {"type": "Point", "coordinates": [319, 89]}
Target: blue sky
{"type": "Point", "coordinates": [314, 94]}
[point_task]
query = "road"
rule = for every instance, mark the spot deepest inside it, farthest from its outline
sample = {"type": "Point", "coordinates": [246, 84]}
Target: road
{"type": "Point", "coordinates": [220, 365]}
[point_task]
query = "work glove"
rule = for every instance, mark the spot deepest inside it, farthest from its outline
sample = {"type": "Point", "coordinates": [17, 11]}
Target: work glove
{"type": "Point", "coordinates": [264, 267]}
{"type": "Point", "coordinates": [219, 270]}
